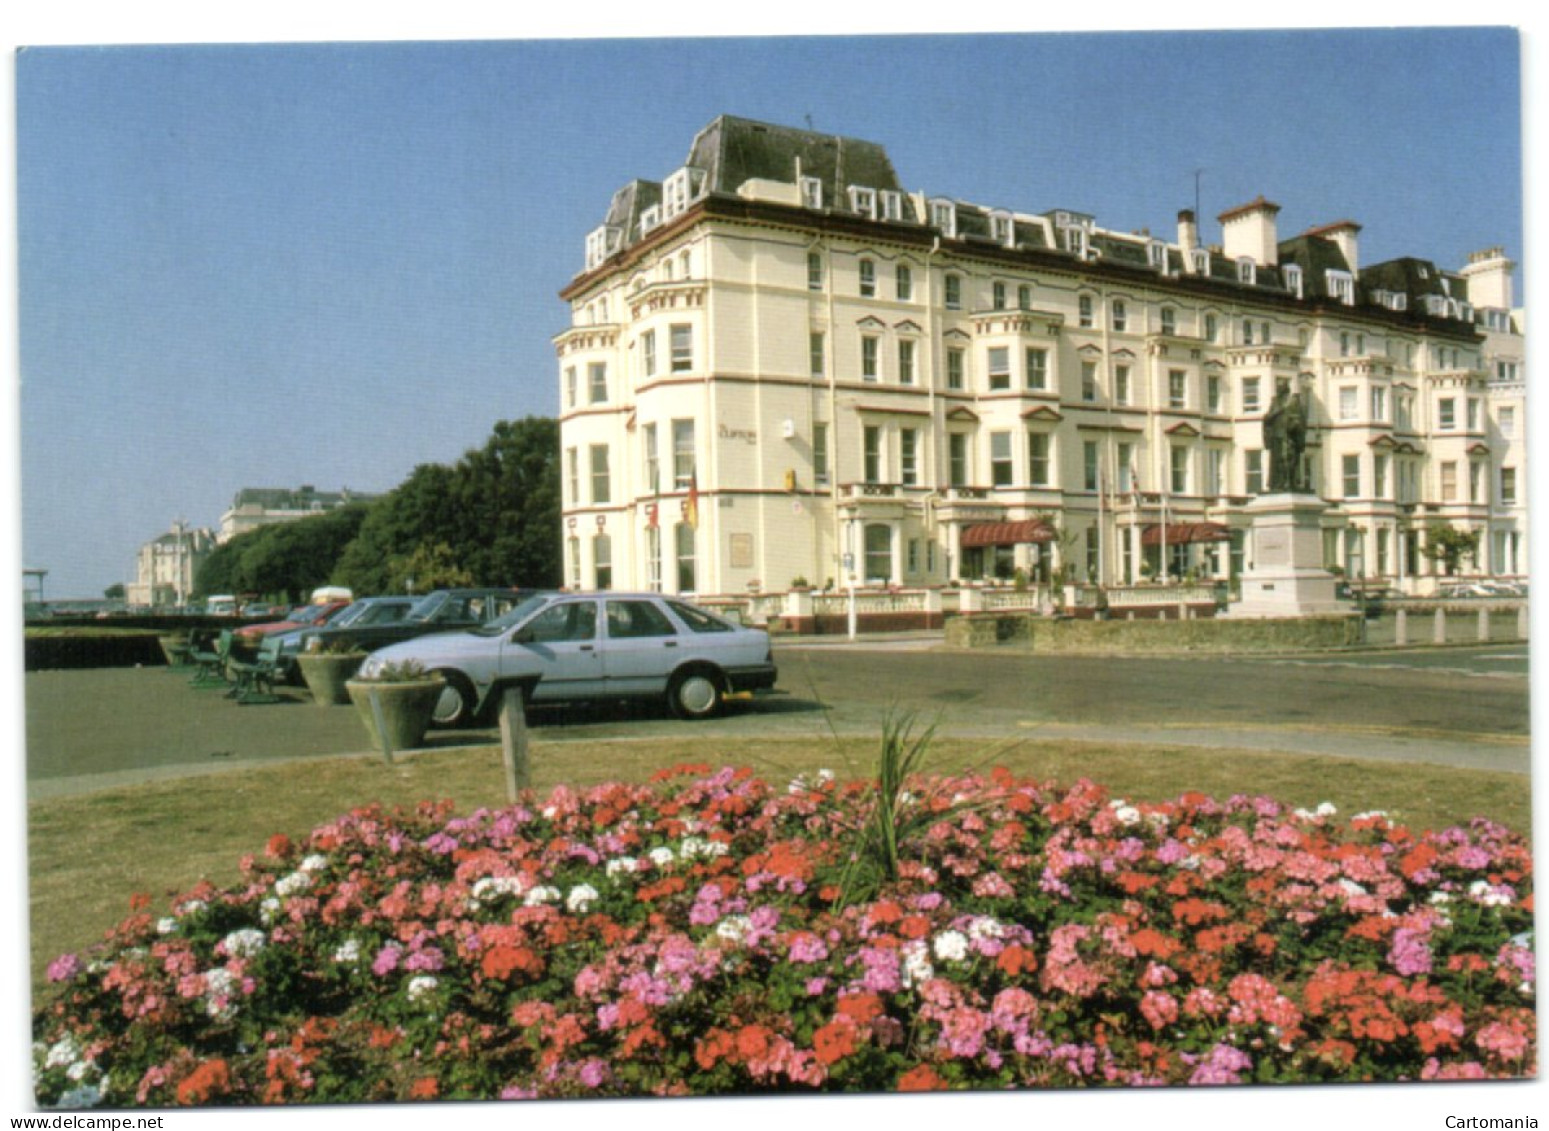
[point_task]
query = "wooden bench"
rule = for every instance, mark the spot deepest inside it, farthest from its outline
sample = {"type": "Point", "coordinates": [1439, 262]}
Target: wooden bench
{"type": "Point", "coordinates": [255, 678]}
{"type": "Point", "coordinates": [210, 662]}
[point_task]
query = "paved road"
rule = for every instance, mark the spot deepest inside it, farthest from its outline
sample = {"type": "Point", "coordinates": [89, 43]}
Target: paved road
{"type": "Point", "coordinates": [1465, 707]}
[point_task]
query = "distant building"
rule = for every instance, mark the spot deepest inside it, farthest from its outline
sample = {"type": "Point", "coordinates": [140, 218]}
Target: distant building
{"type": "Point", "coordinates": [782, 364]}
{"type": "Point", "coordinates": [263, 506]}
{"type": "Point", "coordinates": [165, 566]}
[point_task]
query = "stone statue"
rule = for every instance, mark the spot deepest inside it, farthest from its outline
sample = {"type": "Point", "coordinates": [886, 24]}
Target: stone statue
{"type": "Point", "coordinates": [1285, 439]}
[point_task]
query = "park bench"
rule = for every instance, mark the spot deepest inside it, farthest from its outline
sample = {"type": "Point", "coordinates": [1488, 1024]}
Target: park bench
{"type": "Point", "coordinates": [255, 678]}
{"type": "Point", "coordinates": [211, 662]}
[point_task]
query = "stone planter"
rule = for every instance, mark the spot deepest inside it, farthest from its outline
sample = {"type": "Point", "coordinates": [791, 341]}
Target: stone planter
{"type": "Point", "coordinates": [175, 647]}
{"type": "Point", "coordinates": [326, 674]}
{"type": "Point", "coordinates": [406, 709]}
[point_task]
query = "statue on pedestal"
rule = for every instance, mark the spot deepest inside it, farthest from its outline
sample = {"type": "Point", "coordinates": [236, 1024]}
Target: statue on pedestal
{"type": "Point", "coordinates": [1285, 439]}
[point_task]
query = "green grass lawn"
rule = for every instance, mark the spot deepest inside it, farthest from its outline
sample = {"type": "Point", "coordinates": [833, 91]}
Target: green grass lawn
{"type": "Point", "coordinates": [89, 854]}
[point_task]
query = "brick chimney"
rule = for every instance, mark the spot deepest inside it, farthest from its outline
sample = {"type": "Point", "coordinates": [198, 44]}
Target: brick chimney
{"type": "Point", "coordinates": [1249, 230]}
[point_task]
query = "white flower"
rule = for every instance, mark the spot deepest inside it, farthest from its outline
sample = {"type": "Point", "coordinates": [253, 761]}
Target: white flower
{"type": "Point", "coordinates": [166, 926]}
{"type": "Point", "coordinates": [62, 1053]}
{"type": "Point", "coordinates": [621, 865]}
{"type": "Point", "coordinates": [951, 946]}
{"type": "Point", "coordinates": [192, 907]}
{"type": "Point", "coordinates": [244, 943]}
{"type": "Point", "coordinates": [1326, 809]}
{"type": "Point", "coordinates": [540, 895]}
{"type": "Point", "coordinates": [1484, 893]}
{"type": "Point", "coordinates": [314, 863]}
{"type": "Point", "coordinates": [269, 910]}
{"type": "Point", "coordinates": [421, 986]}
{"type": "Point", "coordinates": [694, 846]}
{"type": "Point", "coordinates": [219, 982]}
{"type": "Point", "coordinates": [661, 857]}
{"type": "Point", "coordinates": [984, 927]}
{"type": "Point", "coordinates": [1370, 814]}
{"type": "Point", "coordinates": [78, 1071]}
{"type": "Point", "coordinates": [293, 883]}
{"type": "Point", "coordinates": [348, 953]}
{"type": "Point", "coordinates": [87, 1095]}
{"type": "Point", "coordinates": [492, 886]}
{"type": "Point", "coordinates": [1351, 887]}
{"type": "Point", "coordinates": [917, 967]}
{"type": "Point", "coordinates": [580, 898]}
{"type": "Point", "coordinates": [734, 928]}
{"type": "Point", "coordinates": [1127, 815]}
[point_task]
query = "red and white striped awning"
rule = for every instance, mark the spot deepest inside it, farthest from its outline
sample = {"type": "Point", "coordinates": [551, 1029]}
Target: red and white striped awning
{"type": "Point", "coordinates": [1183, 533]}
{"type": "Point", "coordinates": [1006, 533]}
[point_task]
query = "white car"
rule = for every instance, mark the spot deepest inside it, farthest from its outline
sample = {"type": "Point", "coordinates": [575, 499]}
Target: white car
{"type": "Point", "coordinates": [583, 647]}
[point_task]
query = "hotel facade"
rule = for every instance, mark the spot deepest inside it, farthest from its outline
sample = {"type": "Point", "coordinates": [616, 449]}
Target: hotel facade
{"type": "Point", "coordinates": [783, 368]}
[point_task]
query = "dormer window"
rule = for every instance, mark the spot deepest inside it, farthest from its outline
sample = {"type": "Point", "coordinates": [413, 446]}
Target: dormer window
{"type": "Point", "coordinates": [1076, 242]}
{"type": "Point", "coordinates": [1293, 279]}
{"type": "Point", "coordinates": [863, 201]}
{"type": "Point", "coordinates": [1199, 260]}
{"type": "Point", "coordinates": [943, 216]}
{"type": "Point", "coordinates": [1156, 255]}
{"type": "Point", "coordinates": [892, 205]}
{"type": "Point", "coordinates": [1002, 230]}
{"type": "Point", "coordinates": [1436, 305]}
{"type": "Point", "coordinates": [812, 192]}
{"type": "Point", "coordinates": [600, 243]}
{"type": "Point", "coordinates": [679, 189]}
{"type": "Point", "coordinates": [1341, 286]}
{"type": "Point", "coordinates": [1247, 271]}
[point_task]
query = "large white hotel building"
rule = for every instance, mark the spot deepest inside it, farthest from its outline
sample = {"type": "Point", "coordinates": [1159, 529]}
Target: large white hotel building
{"type": "Point", "coordinates": [783, 367]}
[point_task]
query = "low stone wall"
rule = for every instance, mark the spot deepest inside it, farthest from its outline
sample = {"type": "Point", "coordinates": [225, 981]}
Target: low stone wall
{"type": "Point", "coordinates": [45, 652]}
{"type": "Point", "coordinates": [1122, 637]}
{"type": "Point", "coordinates": [828, 624]}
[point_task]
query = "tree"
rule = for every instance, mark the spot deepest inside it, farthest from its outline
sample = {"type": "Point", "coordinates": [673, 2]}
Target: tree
{"type": "Point", "coordinates": [492, 517]}
{"type": "Point", "coordinates": [1449, 546]}
{"type": "Point", "coordinates": [284, 560]}
{"type": "Point", "coordinates": [115, 592]}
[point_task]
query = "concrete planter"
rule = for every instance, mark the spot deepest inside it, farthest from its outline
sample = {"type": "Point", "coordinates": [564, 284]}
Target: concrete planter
{"type": "Point", "coordinates": [326, 674]}
{"type": "Point", "coordinates": [174, 646]}
{"type": "Point", "coordinates": [405, 711]}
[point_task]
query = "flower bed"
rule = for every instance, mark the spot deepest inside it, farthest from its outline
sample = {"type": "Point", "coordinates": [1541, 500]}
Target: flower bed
{"type": "Point", "coordinates": [707, 934]}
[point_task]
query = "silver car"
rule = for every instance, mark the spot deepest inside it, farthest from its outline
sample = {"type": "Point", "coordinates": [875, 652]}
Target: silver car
{"type": "Point", "coordinates": [582, 647]}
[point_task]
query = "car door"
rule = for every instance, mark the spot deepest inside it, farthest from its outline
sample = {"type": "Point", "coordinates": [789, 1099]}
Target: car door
{"type": "Point", "coordinates": [642, 648]}
{"type": "Point", "coordinates": [558, 644]}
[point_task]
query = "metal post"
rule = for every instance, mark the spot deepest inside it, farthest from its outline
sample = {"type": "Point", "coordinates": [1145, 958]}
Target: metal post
{"type": "Point", "coordinates": [1484, 625]}
{"type": "Point", "coordinates": [1401, 628]}
{"type": "Point", "coordinates": [1440, 634]}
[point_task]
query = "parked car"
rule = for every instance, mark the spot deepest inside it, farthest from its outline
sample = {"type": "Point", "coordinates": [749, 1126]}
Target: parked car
{"type": "Point", "coordinates": [303, 616]}
{"type": "Point", "coordinates": [584, 647]}
{"type": "Point", "coordinates": [358, 614]}
{"type": "Point", "coordinates": [439, 611]}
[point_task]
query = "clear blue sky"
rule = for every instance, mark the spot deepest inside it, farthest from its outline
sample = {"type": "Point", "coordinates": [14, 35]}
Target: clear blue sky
{"type": "Point", "coordinates": [276, 265]}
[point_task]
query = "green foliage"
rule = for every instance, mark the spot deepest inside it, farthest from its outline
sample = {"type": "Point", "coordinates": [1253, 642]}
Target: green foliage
{"type": "Point", "coordinates": [115, 592]}
{"type": "Point", "coordinates": [1449, 545]}
{"type": "Point", "coordinates": [492, 519]}
{"type": "Point", "coordinates": [283, 561]}
{"type": "Point", "coordinates": [403, 671]}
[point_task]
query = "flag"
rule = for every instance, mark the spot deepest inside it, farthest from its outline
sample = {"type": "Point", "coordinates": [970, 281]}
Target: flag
{"type": "Point", "coordinates": [691, 508]}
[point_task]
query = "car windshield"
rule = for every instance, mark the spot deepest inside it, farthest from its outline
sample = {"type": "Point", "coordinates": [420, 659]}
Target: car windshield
{"type": "Point", "coordinates": [311, 615]}
{"type": "Point", "coordinates": [513, 616]}
{"type": "Point", "coordinates": [351, 614]}
{"type": "Point", "coordinates": [383, 614]}
{"type": "Point", "coordinates": [425, 608]}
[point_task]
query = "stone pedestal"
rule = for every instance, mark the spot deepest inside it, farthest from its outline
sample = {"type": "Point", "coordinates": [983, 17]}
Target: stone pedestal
{"type": "Point", "coordinates": [1287, 578]}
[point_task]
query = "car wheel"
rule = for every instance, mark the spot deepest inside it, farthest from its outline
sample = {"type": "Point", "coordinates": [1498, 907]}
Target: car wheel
{"type": "Point", "coordinates": [695, 693]}
{"type": "Point", "coordinates": [455, 707]}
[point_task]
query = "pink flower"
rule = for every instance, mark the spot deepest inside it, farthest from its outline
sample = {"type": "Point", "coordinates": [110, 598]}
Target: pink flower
{"type": "Point", "coordinates": [65, 967]}
{"type": "Point", "coordinates": [1159, 1009]}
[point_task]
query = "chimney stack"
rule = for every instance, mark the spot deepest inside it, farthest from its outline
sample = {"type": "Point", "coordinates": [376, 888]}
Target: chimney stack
{"type": "Point", "coordinates": [1489, 278]}
{"type": "Point", "coordinates": [1249, 232]}
{"type": "Point", "coordinates": [1343, 233]}
{"type": "Point", "coordinates": [1188, 237]}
